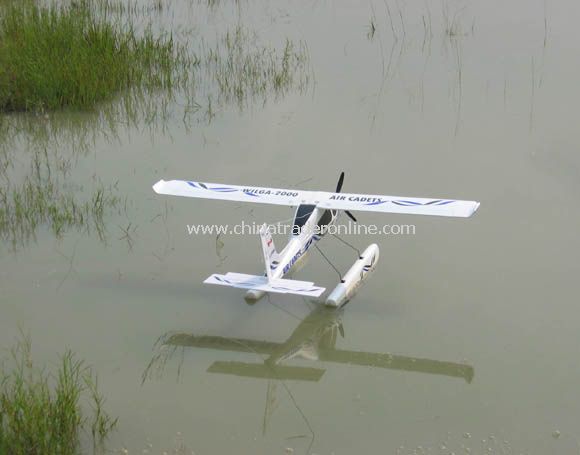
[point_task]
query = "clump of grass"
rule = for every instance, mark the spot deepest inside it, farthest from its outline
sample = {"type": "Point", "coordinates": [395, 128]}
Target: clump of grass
{"type": "Point", "coordinates": [68, 55]}
{"type": "Point", "coordinates": [42, 412]}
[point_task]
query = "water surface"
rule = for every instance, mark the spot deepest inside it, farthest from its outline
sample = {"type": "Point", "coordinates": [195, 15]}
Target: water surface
{"type": "Point", "coordinates": [474, 322]}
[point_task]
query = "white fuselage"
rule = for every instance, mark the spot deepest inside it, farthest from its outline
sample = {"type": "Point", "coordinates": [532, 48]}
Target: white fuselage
{"type": "Point", "coordinates": [310, 225]}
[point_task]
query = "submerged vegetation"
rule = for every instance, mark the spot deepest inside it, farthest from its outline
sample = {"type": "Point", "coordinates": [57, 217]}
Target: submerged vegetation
{"type": "Point", "coordinates": [45, 413]}
{"type": "Point", "coordinates": [39, 201]}
{"type": "Point", "coordinates": [58, 56]}
{"type": "Point", "coordinates": [45, 194]}
{"type": "Point", "coordinates": [243, 70]}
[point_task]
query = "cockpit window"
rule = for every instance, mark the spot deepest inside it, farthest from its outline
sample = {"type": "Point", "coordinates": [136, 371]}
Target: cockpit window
{"type": "Point", "coordinates": [324, 221]}
{"type": "Point", "coordinates": [302, 214]}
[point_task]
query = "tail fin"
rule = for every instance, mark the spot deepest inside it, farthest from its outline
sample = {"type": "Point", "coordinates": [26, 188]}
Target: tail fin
{"type": "Point", "coordinates": [271, 256]}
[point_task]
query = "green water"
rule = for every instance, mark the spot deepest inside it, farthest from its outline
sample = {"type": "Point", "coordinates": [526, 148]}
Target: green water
{"type": "Point", "coordinates": [467, 334]}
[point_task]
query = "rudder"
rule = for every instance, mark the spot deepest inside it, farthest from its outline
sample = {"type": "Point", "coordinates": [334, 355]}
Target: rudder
{"type": "Point", "coordinates": [271, 256]}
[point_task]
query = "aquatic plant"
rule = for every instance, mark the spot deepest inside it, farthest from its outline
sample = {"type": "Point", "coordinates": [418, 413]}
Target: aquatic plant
{"type": "Point", "coordinates": [244, 70]}
{"type": "Point", "coordinates": [68, 55]}
{"type": "Point", "coordinates": [45, 413]}
{"type": "Point", "coordinates": [41, 199]}
{"type": "Point", "coordinates": [452, 21]}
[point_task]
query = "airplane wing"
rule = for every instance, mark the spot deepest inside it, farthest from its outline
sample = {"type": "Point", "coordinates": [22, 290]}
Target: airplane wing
{"type": "Point", "coordinates": [396, 204]}
{"type": "Point", "coordinates": [397, 362]}
{"type": "Point", "coordinates": [323, 199]}
{"type": "Point", "coordinates": [237, 193]}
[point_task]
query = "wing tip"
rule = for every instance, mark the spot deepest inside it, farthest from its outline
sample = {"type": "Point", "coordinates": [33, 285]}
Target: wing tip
{"type": "Point", "coordinates": [158, 186]}
{"type": "Point", "coordinates": [467, 210]}
{"type": "Point", "coordinates": [475, 207]}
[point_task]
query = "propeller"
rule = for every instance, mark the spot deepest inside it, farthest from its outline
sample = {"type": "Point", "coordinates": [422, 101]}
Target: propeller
{"type": "Point", "coordinates": [338, 188]}
{"type": "Point", "coordinates": [350, 215]}
{"type": "Point", "coordinates": [340, 182]}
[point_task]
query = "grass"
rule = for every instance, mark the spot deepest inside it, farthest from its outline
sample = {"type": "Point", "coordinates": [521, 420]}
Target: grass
{"type": "Point", "coordinates": [43, 412]}
{"type": "Point", "coordinates": [85, 73]}
{"type": "Point", "coordinates": [69, 56]}
{"type": "Point", "coordinates": [243, 70]}
{"type": "Point", "coordinates": [38, 187]}
{"type": "Point", "coordinates": [452, 19]}
{"type": "Point", "coordinates": [41, 201]}
{"type": "Point", "coordinates": [80, 53]}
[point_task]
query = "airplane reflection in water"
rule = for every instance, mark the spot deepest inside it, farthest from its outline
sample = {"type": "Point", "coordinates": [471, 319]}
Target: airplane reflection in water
{"type": "Point", "coordinates": [313, 339]}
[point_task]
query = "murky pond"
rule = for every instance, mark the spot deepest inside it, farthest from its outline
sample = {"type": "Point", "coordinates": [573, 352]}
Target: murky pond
{"type": "Point", "coordinates": [465, 340]}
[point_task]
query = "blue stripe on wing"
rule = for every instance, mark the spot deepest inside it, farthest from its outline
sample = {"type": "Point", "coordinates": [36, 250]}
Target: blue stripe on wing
{"type": "Point", "coordinates": [406, 203]}
{"type": "Point", "coordinates": [219, 189]}
{"type": "Point", "coordinates": [223, 189]}
{"type": "Point", "coordinates": [376, 203]}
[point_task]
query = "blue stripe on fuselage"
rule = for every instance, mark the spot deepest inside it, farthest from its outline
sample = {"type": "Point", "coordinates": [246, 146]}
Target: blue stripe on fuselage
{"type": "Point", "coordinates": [311, 241]}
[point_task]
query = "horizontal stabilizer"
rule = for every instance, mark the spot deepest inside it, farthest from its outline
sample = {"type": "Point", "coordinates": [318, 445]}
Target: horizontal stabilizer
{"type": "Point", "coordinates": [261, 283]}
{"type": "Point", "coordinates": [259, 370]}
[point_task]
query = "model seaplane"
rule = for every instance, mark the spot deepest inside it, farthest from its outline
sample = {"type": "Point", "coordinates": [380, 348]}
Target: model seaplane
{"type": "Point", "coordinates": [315, 212]}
